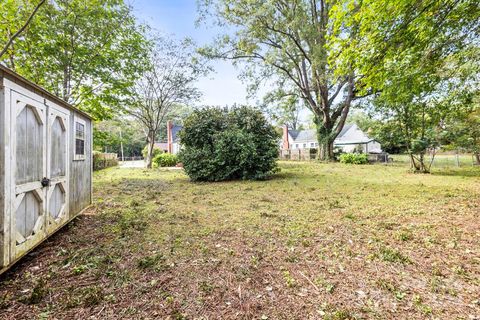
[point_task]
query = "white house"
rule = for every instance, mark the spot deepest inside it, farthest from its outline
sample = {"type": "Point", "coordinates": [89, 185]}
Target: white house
{"type": "Point", "coordinates": [351, 138]}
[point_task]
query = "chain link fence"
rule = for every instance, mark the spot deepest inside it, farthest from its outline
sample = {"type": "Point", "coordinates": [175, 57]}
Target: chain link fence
{"type": "Point", "coordinates": [440, 160]}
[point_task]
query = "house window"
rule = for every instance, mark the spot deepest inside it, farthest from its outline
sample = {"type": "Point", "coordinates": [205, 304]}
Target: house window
{"type": "Point", "coordinates": [312, 144]}
{"type": "Point", "coordinates": [296, 146]}
{"type": "Point", "coordinates": [316, 144]}
{"type": "Point", "coordinates": [79, 140]}
{"type": "Point", "coordinates": [304, 145]}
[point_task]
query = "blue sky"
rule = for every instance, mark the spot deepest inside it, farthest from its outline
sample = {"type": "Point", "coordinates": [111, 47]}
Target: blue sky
{"type": "Point", "coordinates": [177, 17]}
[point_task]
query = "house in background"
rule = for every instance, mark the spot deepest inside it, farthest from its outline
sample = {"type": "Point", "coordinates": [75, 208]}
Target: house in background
{"type": "Point", "coordinates": [173, 141]}
{"type": "Point", "coordinates": [350, 139]}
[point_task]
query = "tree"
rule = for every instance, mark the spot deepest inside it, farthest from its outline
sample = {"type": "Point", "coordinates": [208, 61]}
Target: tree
{"type": "Point", "coordinates": [88, 52]}
{"type": "Point", "coordinates": [334, 52]}
{"type": "Point", "coordinates": [296, 47]}
{"type": "Point", "coordinates": [418, 35]}
{"type": "Point", "coordinates": [419, 125]}
{"type": "Point", "coordinates": [222, 145]}
{"type": "Point", "coordinates": [284, 110]}
{"type": "Point", "coordinates": [462, 126]}
{"type": "Point", "coordinates": [410, 53]}
{"type": "Point", "coordinates": [168, 81]}
{"type": "Point", "coordinates": [15, 35]}
{"type": "Point", "coordinates": [112, 135]}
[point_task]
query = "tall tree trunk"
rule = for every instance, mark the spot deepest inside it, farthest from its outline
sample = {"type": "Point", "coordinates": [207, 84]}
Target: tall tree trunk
{"type": "Point", "coordinates": [477, 157]}
{"type": "Point", "coordinates": [325, 150]}
{"type": "Point", "coordinates": [151, 144]}
{"type": "Point", "coordinates": [325, 137]}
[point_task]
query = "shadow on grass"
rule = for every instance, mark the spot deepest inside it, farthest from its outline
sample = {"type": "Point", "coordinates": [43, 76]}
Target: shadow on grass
{"type": "Point", "coordinates": [284, 175]}
{"type": "Point", "coordinates": [457, 172]}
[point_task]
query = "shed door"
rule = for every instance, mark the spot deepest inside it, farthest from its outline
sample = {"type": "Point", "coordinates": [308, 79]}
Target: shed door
{"type": "Point", "coordinates": [28, 169]}
{"type": "Point", "coordinates": [40, 149]}
{"type": "Point", "coordinates": [57, 168]}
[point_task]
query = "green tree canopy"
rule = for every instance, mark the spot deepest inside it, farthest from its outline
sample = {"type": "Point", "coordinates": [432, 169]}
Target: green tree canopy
{"type": "Point", "coordinates": [88, 52]}
{"type": "Point", "coordinates": [290, 43]}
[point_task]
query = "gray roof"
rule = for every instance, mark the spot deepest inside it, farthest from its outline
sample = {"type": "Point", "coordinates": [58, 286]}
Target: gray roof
{"type": "Point", "coordinates": [311, 134]}
{"type": "Point", "coordinates": [344, 130]}
{"type": "Point", "coordinates": [303, 135]}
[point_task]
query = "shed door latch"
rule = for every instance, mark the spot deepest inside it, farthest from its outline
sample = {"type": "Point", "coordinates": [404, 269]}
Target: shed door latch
{"type": "Point", "coordinates": [45, 182]}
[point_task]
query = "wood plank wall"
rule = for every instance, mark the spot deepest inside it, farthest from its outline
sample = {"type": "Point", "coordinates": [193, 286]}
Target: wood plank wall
{"type": "Point", "coordinates": [80, 178]}
{"type": "Point", "coordinates": [3, 254]}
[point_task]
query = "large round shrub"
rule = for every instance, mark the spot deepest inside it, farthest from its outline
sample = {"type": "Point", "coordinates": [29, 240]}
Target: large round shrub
{"type": "Point", "coordinates": [225, 145]}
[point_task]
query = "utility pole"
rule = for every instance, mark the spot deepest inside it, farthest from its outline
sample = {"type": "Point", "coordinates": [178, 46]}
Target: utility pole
{"type": "Point", "coordinates": [121, 144]}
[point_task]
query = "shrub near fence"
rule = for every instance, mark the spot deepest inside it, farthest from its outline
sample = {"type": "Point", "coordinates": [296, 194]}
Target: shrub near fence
{"type": "Point", "coordinates": [104, 160]}
{"type": "Point", "coordinates": [165, 160]}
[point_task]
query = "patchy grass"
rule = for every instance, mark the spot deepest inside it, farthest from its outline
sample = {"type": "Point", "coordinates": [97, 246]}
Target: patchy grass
{"type": "Point", "coordinates": [318, 241]}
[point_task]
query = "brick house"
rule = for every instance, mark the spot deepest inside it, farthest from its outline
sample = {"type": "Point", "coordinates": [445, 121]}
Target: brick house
{"type": "Point", "coordinates": [172, 145]}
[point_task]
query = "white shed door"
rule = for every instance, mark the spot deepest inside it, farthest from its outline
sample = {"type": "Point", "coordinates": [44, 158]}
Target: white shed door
{"type": "Point", "coordinates": [29, 136]}
{"type": "Point", "coordinates": [39, 172]}
{"type": "Point", "coordinates": [57, 168]}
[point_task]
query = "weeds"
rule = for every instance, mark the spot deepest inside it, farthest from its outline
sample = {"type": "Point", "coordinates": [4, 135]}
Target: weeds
{"type": "Point", "coordinates": [289, 280]}
{"type": "Point", "coordinates": [393, 255]}
{"type": "Point", "coordinates": [151, 261]}
{"type": "Point", "coordinates": [38, 292]}
{"type": "Point", "coordinates": [156, 245]}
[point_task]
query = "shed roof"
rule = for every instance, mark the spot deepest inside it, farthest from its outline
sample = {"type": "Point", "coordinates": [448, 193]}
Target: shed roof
{"type": "Point", "coordinates": [6, 72]}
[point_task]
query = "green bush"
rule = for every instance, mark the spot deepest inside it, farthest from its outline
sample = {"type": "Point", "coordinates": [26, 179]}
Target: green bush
{"type": "Point", "coordinates": [226, 145]}
{"type": "Point", "coordinates": [354, 158]}
{"type": "Point", "coordinates": [156, 151]}
{"type": "Point", "coordinates": [165, 160]}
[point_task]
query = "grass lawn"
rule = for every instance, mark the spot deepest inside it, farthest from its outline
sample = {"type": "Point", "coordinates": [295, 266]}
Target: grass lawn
{"type": "Point", "coordinates": [318, 241]}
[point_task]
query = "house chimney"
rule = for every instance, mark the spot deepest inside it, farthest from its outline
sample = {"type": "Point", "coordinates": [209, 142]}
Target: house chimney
{"type": "Point", "coordinates": [169, 136]}
{"type": "Point", "coordinates": [285, 143]}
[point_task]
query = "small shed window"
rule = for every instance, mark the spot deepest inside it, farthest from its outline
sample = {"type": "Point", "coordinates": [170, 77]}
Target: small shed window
{"type": "Point", "coordinates": [79, 139]}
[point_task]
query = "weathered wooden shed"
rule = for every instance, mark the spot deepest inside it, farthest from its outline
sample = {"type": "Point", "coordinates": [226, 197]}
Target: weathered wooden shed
{"type": "Point", "coordinates": [45, 165]}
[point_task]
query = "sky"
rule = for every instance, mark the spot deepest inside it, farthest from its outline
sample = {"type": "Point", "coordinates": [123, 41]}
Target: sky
{"type": "Point", "coordinates": [177, 18]}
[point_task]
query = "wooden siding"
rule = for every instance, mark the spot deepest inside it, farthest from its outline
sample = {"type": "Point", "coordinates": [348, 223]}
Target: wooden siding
{"type": "Point", "coordinates": [28, 153]}
{"type": "Point", "coordinates": [58, 149]}
{"type": "Point", "coordinates": [80, 183]}
{"type": "Point", "coordinates": [3, 223]}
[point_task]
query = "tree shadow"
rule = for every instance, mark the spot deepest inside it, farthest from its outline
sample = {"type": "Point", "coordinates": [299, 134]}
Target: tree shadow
{"type": "Point", "coordinates": [457, 172]}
